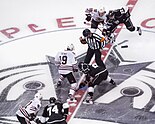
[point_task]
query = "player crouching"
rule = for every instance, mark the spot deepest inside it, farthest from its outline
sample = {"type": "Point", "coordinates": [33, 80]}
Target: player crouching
{"type": "Point", "coordinates": [98, 74]}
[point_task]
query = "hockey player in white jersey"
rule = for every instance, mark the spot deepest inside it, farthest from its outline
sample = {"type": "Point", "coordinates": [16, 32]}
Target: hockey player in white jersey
{"type": "Point", "coordinates": [96, 17]}
{"type": "Point", "coordinates": [67, 64]}
{"type": "Point", "coordinates": [28, 113]}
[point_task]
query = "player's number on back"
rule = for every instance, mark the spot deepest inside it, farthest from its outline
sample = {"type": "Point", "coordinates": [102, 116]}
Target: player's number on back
{"type": "Point", "coordinates": [63, 59]}
{"type": "Point", "coordinates": [53, 110]}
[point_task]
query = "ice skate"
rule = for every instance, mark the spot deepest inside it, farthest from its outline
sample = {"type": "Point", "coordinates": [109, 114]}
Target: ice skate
{"type": "Point", "coordinates": [113, 82]}
{"type": "Point", "coordinates": [71, 98]}
{"type": "Point", "coordinates": [88, 100]}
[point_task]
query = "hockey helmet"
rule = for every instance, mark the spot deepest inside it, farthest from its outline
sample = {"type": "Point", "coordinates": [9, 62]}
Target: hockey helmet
{"type": "Point", "coordinates": [102, 10]}
{"type": "Point", "coordinates": [70, 47]}
{"type": "Point", "coordinates": [38, 96]}
{"type": "Point", "coordinates": [52, 99]}
{"type": "Point", "coordinates": [111, 14]}
{"type": "Point", "coordinates": [84, 67]}
{"type": "Point", "coordinates": [86, 32]}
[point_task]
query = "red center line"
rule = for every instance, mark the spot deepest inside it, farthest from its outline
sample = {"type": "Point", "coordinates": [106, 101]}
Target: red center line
{"type": "Point", "coordinates": [80, 94]}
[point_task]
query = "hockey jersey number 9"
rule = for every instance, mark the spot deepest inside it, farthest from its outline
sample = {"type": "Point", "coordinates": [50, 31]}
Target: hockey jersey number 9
{"type": "Point", "coordinates": [65, 61]}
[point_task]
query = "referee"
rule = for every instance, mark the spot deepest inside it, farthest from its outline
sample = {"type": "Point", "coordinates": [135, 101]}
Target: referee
{"type": "Point", "coordinates": [95, 44]}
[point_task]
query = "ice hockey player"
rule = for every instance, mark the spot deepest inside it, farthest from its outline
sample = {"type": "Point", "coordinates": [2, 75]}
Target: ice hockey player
{"type": "Point", "coordinates": [119, 16]}
{"type": "Point", "coordinates": [67, 65]}
{"type": "Point", "coordinates": [29, 112]}
{"type": "Point", "coordinates": [55, 112]}
{"type": "Point", "coordinates": [96, 44]}
{"type": "Point", "coordinates": [96, 17]}
{"type": "Point", "coordinates": [95, 75]}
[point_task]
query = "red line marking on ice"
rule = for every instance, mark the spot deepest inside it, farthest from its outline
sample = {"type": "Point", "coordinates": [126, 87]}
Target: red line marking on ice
{"type": "Point", "coordinates": [72, 110]}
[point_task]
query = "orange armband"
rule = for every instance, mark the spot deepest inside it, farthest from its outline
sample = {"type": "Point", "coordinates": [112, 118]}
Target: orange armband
{"type": "Point", "coordinates": [102, 39]}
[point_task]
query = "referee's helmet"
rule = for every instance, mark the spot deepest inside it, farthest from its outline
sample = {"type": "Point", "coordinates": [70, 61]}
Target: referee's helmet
{"type": "Point", "coordinates": [86, 32]}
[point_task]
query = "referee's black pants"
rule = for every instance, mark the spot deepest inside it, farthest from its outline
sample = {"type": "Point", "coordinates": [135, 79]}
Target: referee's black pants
{"type": "Point", "coordinates": [89, 55]}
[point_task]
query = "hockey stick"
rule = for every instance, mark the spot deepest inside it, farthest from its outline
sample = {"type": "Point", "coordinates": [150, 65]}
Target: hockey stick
{"type": "Point", "coordinates": [86, 23]}
{"type": "Point", "coordinates": [122, 46]}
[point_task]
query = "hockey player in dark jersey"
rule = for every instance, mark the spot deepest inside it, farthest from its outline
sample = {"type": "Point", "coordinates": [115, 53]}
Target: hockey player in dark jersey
{"type": "Point", "coordinates": [119, 16]}
{"type": "Point", "coordinates": [98, 74]}
{"type": "Point", "coordinates": [55, 112]}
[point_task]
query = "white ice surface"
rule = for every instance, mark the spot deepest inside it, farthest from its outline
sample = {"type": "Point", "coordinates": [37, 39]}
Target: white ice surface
{"type": "Point", "coordinates": [21, 13]}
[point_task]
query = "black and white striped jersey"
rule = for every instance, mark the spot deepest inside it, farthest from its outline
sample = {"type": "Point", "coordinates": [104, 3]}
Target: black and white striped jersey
{"type": "Point", "coordinates": [96, 41]}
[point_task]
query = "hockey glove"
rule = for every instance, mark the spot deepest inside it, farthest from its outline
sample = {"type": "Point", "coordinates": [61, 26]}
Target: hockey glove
{"type": "Point", "coordinates": [65, 116]}
{"type": "Point", "coordinates": [88, 18]}
{"type": "Point", "coordinates": [104, 32]}
{"type": "Point", "coordinates": [82, 84]}
{"type": "Point", "coordinates": [37, 121]}
{"type": "Point", "coordinates": [82, 40]}
{"type": "Point", "coordinates": [32, 116]}
{"type": "Point", "coordinates": [127, 14]}
{"type": "Point", "coordinates": [75, 70]}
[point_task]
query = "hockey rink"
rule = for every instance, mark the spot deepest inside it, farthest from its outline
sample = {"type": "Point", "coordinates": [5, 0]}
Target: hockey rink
{"type": "Point", "coordinates": [33, 30]}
